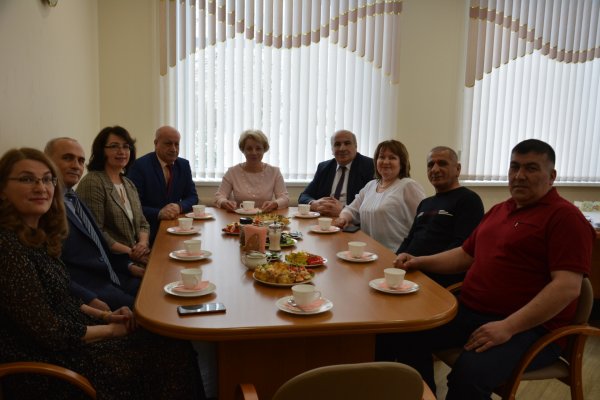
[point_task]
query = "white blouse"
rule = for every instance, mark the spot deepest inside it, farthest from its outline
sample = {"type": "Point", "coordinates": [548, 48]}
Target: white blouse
{"type": "Point", "coordinates": [386, 216]}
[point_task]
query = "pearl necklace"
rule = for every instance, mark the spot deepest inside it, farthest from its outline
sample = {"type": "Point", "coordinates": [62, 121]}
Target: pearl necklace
{"type": "Point", "coordinates": [383, 187]}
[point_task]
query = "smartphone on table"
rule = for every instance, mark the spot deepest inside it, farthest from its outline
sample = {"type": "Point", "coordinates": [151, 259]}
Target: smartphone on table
{"type": "Point", "coordinates": [201, 308]}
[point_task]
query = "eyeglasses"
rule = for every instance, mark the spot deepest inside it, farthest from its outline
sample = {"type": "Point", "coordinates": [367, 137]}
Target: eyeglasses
{"type": "Point", "coordinates": [117, 146]}
{"type": "Point", "coordinates": [32, 180]}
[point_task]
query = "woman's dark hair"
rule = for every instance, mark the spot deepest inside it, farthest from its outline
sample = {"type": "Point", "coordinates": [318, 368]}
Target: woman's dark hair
{"type": "Point", "coordinates": [398, 149]}
{"type": "Point", "coordinates": [98, 159]}
{"type": "Point", "coordinates": [52, 226]}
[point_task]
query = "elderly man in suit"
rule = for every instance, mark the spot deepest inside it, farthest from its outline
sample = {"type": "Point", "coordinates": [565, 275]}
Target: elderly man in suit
{"type": "Point", "coordinates": [100, 278]}
{"type": "Point", "coordinates": [163, 180]}
{"type": "Point", "coordinates": [338, 181]}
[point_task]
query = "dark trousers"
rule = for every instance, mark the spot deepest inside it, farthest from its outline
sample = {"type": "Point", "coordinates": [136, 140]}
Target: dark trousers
{"type": "Point", "coordinates": [474, 375]}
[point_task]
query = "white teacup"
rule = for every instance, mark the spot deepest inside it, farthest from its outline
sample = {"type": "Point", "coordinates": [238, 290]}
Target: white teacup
{"type": "Point", "coordinates": [199, 210]}
{"type": "Point", "coordinates": [305, 294]}
{"type": "Point", "coordinates": [253, 259]}
{"type": "Point", "coordinates": [185, 224]}
{"type": "Point", "coordinates": [248, 205]}
{"type": "Point", "coordinates": [325, 223]}
{"type": "Point", "coordinates": [356, 249]}
{"type": "Point", "coordinates": [394, 277]}
{"type": "Point", "coordinates": [191, 277]}
{"type": "Point", "coordinates": [303, 209]}
{"type": "Point", "coordinates": [193, 246]}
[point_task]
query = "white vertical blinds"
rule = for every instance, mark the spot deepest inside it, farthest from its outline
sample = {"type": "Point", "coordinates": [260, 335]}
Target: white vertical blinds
{"type": "Point", "coordinates": [533, 71]}
{"type": "Point", "coordinates": [297, 69]}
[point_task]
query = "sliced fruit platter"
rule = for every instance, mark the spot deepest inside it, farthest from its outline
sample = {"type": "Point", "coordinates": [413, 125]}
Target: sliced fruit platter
{"type": "Point", "coordinates": [305, 259]}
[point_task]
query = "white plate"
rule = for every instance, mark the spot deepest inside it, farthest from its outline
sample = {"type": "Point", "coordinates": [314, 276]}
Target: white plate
{"type": "Point", "coordinates": [407, 287]}
{"type": "Point", "coordinates": [241, 211]}
{"type": "Point", "coordinates": [204, 216]}
{"type": "Point", "coordinates": [311, 214]}
{"type": "Point", "coordinates": [175, 231]}
{"type": "Point", "coordinates": [317, 229]}
{"type": "Point", "coordinates": [182, 255]}
{"type": "Point", "coordinates": [367, 257]}
{"type": "Point", "coordinates": [281, 284]}
{"type": "Point", "coordinates": [284, 306]}
{"type": "Point", "coordinates": [169, 288]}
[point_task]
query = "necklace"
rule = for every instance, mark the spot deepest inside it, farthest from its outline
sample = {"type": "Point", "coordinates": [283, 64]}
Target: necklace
{"type": "Point", "coordinates": [383, 187]}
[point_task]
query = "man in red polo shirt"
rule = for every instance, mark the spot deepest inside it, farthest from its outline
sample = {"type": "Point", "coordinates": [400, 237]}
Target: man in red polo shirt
{"type": "Point", "coordinates": [525, 263]}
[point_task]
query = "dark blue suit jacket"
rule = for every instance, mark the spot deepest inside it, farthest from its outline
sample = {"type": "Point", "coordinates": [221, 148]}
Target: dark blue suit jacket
{"type": "Point", "coordinates": [147, 175]}
{"type": "Point", "coordinates": [362, 171]}
{"type": "Point", "coordinates": [90, 278]}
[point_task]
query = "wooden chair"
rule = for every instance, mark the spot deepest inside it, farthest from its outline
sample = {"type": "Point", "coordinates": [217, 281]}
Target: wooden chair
{"type": "Point", "coordinates": [373, 380]}
{"type": "Point", "coordinates": [568, 368]}
{"type": "Point", "coordinates": [48, 369]}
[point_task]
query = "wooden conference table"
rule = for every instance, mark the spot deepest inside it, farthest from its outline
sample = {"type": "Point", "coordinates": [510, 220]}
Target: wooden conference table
{"type": "Point", "coordinates": [256, 342]}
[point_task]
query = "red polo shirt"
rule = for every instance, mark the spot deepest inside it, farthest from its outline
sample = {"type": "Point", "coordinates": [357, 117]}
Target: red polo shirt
{"type": "Point", "coordinates": [515, 249]}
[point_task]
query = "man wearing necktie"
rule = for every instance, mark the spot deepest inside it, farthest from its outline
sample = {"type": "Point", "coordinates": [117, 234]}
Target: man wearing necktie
{"type": "Point", "coordinates": [100, 278]}
{"type": "Point", "coordinates": [163, 180]}
{"type": "Point", "coordinates": [337, 181]}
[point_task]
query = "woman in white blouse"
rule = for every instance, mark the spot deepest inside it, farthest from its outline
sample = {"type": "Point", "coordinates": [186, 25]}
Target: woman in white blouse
{"type": "Point", "coordinates": [253, 180]}
{"type": "Point", "coordinates": [385, 208]}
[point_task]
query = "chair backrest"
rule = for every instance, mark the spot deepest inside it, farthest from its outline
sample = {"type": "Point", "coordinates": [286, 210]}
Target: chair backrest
{"type": "Point", "coordinates": [585, 304]}
{"type": "Point", "coordinates": [374, 380]}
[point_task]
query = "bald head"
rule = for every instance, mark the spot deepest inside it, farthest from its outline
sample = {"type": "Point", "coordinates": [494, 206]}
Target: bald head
{"type": "Point", "coordinates": [166, 144]}
{"type": "Point", "coordinates": [68, 156]}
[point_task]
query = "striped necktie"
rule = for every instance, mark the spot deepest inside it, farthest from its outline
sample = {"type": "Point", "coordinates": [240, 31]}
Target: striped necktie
{"type": "Point", "coordinates": [85, 221]}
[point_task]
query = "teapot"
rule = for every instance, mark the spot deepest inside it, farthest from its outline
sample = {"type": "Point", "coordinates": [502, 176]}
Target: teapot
{"type": "Point", "coordinates": [253, 259]}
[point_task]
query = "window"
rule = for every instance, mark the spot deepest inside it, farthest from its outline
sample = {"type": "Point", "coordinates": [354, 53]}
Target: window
{"type": "Point", "coordinates": [297, 70]}
{"type": "Point", "coordinates": [533, 71]}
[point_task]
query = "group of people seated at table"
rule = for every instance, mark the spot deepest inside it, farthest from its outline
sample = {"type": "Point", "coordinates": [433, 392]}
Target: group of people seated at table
{"type": "Point", "coordinates": [81, 316]}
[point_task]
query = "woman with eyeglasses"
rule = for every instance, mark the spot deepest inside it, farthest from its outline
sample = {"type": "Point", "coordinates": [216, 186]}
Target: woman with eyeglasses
{"type": "Point", "coordinates": [41, 321]}
{"type": "Point", "coordinates": [113, 198]}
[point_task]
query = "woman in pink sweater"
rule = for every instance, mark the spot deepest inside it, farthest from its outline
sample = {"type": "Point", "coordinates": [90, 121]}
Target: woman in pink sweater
{"type": "Point", "coordinates": [253, 180]}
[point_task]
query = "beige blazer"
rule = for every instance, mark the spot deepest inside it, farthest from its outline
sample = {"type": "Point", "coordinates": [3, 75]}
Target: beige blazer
{"type": "Point", "coordinates": [102, 198]}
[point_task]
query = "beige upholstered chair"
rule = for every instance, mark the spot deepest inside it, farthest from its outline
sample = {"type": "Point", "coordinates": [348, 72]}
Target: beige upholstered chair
{"type": "Point", "coordinates": [567, 369]}
{"type": "Point", "coordinates": [373, 380]}
{"type": "Point", "coordinates": [50, 370]}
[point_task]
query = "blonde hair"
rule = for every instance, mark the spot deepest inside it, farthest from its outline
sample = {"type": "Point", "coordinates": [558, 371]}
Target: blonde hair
{"type": "Point", "coordinates": [52, 227]}
{"type": "Point", "coordinates": [256, 135]}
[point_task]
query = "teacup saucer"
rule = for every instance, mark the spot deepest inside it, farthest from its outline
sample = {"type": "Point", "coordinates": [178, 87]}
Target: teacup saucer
{"type": "Point", "coordinates": [182, 255]}
{"type": "Point", "coordinates": [366, 257]}
{"type": "Point", "coordinates": [175, 289]}
{"type": "Point", "coordinates": [175, 230]}
{"type": "Point", "coordinates": [320, 306]}
{"type": "Point", "coordinates": [203, 216]}
{"type": "Point", "coordinates": [317, 229]}
{"type": "Point", "coordinates": [311, 214]}
{"type": "Point", "coordinates": [407, 286]}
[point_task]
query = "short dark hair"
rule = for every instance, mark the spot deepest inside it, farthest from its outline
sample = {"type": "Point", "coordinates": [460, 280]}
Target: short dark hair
{"type": "Point", "coordinates": [398, 149]}
{"type": "Point", "coordinates": [535, 146]}
{"type": "Point", "coordinates": [97, 158]}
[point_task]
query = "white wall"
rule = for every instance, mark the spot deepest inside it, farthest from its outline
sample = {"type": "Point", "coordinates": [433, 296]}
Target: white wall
{"type": "Point", "coordinates": [128, 71]}
{"type": "Point", "coordinates": [86, 64]}
{"type": "Point", "coordinates": [48, 72]}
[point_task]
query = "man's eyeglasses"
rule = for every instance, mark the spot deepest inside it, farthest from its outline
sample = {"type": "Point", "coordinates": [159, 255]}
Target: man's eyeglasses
{"type": "Point", "coordinates": [32, 180]}
{"type": "Point", "coordinates": [117, 146]}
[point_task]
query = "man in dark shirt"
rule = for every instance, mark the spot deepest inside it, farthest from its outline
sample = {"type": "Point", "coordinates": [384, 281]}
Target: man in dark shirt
{"type": "Point", "coordinates": [445, 220]}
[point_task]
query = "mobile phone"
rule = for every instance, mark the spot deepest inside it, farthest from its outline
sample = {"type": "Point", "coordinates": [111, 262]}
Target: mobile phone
{"type": "Point", "coordinates": [201, 308]}
{"type": "Point", "coordinates": [351, 228]}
